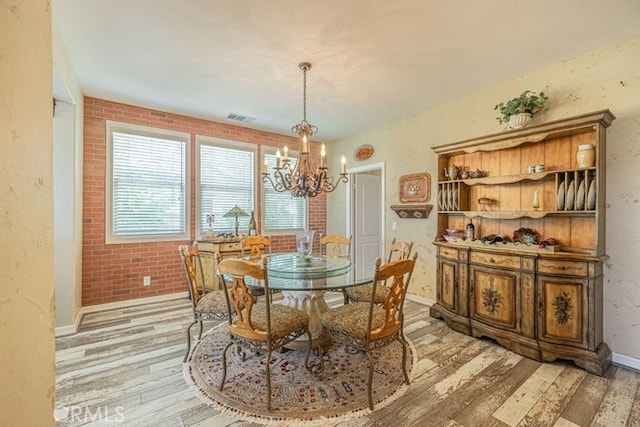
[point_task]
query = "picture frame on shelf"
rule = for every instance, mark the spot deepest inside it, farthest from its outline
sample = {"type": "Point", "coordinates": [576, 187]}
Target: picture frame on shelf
{"type": "Point", "coordinates": [415, 188]}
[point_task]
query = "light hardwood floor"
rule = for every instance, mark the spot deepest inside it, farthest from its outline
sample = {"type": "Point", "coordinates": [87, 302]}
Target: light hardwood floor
{"type": "Point", "coordinates": [127, 364]}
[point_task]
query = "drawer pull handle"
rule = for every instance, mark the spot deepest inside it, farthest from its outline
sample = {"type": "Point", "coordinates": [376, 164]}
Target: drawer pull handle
{"type": "Point", "coordinates": [492, 259]}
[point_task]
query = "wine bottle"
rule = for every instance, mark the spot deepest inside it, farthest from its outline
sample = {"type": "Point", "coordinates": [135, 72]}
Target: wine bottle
{"type": "Point", "coordinates": [470, 231]}
{"type": "Point", "coordinates": [253, 229]}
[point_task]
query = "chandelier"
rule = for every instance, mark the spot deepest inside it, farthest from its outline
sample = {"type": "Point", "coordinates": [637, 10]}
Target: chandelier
{"type": "Point", "coordinates": [304, 179]}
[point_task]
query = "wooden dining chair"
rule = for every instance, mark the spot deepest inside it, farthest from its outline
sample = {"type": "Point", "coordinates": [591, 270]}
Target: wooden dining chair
{"type": "Point", "coordinates": [366, 326]}
{"type": "Point", "coordinates": [253, 247]}
{"type": "Point", "coordinates": [335, 246]}
{"type": "Point", "coordinates": [399, 250]}
{"type": "Point", "coordinates": [206, 305]}
{"type": "Point", "coordinates": [258, 326]}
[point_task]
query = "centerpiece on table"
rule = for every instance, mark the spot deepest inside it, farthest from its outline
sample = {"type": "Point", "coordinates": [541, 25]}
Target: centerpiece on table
{"type": "Point", "coordinates": [517, 112]}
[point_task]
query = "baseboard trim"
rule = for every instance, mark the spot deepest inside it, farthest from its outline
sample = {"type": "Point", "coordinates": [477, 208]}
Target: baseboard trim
{"type": "Point", "coordinates": [133, 302]}
{"type": "Point", "coordinates": [69, 329]}
{"type": "Point", "coordinates": [420, 300]}
{"type": "Point", "coordinates": [625, 361]}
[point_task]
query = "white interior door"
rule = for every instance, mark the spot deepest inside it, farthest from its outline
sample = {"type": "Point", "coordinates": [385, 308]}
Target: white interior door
{"type": "Point", "coordinates": [367, 235]}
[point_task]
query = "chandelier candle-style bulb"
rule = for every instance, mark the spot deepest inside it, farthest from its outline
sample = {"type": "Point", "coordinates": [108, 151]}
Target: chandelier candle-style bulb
{"type": "Point", "coordinates": [278, 155]}
{"type": "Point", "coordinates": [266, 166]}
{"type": "Point", "coordinates": [305, 178]}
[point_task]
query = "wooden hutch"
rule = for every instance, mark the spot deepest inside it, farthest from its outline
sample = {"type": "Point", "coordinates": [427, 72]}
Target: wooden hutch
{"type": "Point", "coordinates": [542, 302]}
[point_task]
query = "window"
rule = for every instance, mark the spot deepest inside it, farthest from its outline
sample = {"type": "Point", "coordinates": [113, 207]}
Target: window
{"type": "Point", "coordinates": [282, 212]}
{"type": "Point", "coordinates": [226, 179]}
{"type": "Point", "coordinates": [146, 184]}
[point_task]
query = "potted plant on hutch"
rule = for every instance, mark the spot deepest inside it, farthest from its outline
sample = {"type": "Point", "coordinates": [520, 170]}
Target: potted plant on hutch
{"type": "Point", "coordinates": [517, 112]}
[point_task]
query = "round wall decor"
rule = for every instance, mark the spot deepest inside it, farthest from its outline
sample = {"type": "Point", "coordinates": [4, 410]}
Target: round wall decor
{"type": "Point", "coordinates": [363, 152]}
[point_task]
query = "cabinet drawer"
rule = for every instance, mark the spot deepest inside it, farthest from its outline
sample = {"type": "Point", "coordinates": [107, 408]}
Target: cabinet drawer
{"type": "Point", "coordinates": [504, 261]}
{"type": "Point", "coordinates": [448, 253]}
{"type": "Point", "coordinates": [573, 268]}
{"type": "Point", "coordinates": [229, 247]}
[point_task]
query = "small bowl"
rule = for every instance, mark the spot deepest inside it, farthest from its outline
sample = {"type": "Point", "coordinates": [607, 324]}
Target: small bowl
{"type": "Point", "coordinates": [451, 238]}
{"type": "Point", "coordinates": [476, 173]}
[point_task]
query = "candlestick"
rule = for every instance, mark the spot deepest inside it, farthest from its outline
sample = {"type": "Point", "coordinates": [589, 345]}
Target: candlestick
{"type": "Point", "coordinates": [323, 153]}
{"type": "Point", "coordinates": [286, 153]}
{"type": "Point", "coordinates": [343, 168]}
{"type": "Point", "coordinates": [278, 158]}
{"type": "Point", "coordinates": [266, 166]}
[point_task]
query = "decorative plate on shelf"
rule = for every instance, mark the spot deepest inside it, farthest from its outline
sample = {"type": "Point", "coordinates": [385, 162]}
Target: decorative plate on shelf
{"type": "Point", "coordinates": [363, 152]}
{"type": "Point", "coordinates": [591, 196]}
{"type": "Point", "coordinates": [415, 188]}
{"type": "Point", "coordinates": [580, 197]}
{"type": "Point", "coordinates": [571, 194]}
{"type": "Point", "coordinates": [560, 197]}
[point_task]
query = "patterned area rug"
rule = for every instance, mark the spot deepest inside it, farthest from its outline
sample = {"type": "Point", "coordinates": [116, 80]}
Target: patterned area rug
{"type": "Point", "coordinates": [297, 394]}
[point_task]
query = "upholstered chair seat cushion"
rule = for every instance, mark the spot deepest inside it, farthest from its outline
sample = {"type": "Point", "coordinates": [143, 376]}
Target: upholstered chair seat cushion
{"type": "Point", "coordinates": [212, 306]}
{"type": "Point", "coordinates": [284, 319]}
{"type": "Point", "coordinates": [351, 319]}
{"type": "Point", "coordinates": [363, 293]}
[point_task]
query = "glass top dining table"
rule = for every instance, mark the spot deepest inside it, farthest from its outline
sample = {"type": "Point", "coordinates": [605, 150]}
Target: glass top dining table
{"type": "Point", "coordinates": [292, 272]}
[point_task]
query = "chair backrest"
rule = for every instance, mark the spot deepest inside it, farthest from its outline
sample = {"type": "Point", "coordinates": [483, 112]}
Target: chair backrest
{"type": "Point", "coordinates": [254, 247]}
{"type": "Point", "coordinates": [397, 275]}
{"type": "Point", "coordinates": [335, 246]}
{"type": "Point", "coordinates": [190, 257]}
{"type": "Point", "coordinates": [206, 274]}
{"type": "Point", "coordinates": [232, 273]}
{"type": "Point", "coordinates": [399, 250]}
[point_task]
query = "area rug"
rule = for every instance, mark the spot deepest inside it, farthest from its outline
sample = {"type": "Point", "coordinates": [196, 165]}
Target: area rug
{"type": "Point", "coordinates": [297, 395]}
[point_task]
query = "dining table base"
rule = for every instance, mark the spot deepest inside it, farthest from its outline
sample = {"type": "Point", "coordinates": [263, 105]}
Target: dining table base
{"type": "Point", "coordinates": [313, 303]}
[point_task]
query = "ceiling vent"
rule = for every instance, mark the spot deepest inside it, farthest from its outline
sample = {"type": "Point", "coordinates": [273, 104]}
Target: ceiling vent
{"type": "Point", "coordinates": [240, 118]}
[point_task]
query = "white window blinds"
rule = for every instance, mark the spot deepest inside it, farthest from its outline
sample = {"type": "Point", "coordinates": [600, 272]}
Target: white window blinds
{"type": "Point", "coordinates": [227, 178]}
{"type": "Point", "coordinates": [282, 211]}
{"type": "Point", "coordinates": [147, 185]}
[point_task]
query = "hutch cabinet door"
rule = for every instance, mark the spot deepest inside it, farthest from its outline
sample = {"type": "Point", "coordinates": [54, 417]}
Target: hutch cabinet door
{"type": "Point", "coordinates": [563, 310]}
{"type": "Point", "coordinates": [495, 297]}
{"type": "Point", "coordinates": [447, 290]}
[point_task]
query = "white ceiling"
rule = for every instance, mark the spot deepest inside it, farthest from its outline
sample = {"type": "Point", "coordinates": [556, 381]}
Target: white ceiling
{"type": "Point", "coordinates": [373, 60]}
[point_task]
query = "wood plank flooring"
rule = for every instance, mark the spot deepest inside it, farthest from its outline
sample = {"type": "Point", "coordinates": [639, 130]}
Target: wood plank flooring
{"type": "Point", "coordinates": [124, 367]}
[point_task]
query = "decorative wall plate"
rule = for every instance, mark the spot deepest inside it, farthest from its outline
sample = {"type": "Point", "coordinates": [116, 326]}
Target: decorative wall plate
{"type": "Point", "coordinates": [415, 188]}
{"type": "Point", "coordinates": [363, 152]}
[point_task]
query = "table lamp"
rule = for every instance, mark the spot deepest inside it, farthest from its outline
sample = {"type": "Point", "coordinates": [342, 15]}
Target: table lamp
{"type": "Point", "coordinates": [236, 211]}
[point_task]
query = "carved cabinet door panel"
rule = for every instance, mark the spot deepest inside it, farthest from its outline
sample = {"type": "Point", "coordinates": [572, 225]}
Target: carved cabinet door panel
{"type": "Point", "coordinates": [562, 310]}
{"type": "Point", "coordinates": [448, 284]}
{"type": "Point", "coordinates": [495, 297]}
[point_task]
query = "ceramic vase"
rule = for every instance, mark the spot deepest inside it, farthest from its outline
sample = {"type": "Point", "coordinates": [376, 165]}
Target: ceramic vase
{"type": "Point", "coordinates": [586, 156]}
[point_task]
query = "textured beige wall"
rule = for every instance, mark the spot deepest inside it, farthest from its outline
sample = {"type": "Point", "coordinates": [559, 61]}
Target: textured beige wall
{"type": "Point", "coordinates": [607, 78]}
{"type": "Point", "coordinates": [26, 215]}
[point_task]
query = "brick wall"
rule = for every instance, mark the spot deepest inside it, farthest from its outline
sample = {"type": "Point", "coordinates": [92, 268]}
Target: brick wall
{"type": "Point", "coordinates": [114, 272]}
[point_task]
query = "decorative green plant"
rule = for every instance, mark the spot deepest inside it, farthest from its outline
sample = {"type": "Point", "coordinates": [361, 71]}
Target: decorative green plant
{"type": "Point", "coordinates": [527, 102]}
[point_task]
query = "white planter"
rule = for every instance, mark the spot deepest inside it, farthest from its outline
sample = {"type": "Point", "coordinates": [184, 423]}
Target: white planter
{"type": "Point", "coordinates": [519, 120]}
